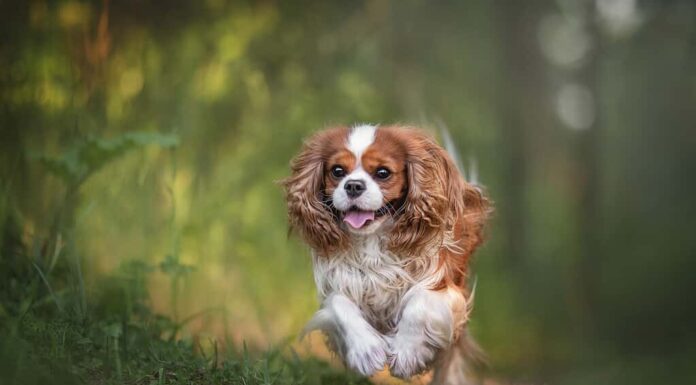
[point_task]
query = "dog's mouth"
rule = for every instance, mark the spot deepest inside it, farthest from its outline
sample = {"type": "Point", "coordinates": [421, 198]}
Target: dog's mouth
{"type": "Point", "coordinates": [358, 218]}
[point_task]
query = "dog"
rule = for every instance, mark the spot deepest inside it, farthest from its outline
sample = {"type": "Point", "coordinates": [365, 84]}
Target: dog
{"type": "Point", "coordinates": [392, 225]}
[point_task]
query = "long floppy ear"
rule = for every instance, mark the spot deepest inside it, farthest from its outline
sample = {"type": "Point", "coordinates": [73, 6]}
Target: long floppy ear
{"type": "Point", "coordinates": [308, 210]}
{"type": "Point", "coordinates": [437, 198]}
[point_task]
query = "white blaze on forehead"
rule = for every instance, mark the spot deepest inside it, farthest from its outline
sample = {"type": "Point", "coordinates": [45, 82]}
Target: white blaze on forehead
{"type": "Point", "coordinates": [360, 138]}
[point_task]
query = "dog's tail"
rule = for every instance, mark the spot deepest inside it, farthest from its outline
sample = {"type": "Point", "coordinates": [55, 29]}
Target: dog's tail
{"type": "Point", "coordinates": [460, 364]}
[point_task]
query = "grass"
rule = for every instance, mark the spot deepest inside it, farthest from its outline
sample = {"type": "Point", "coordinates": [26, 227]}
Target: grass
{"type": "Point", "coordinates": [54, 331]}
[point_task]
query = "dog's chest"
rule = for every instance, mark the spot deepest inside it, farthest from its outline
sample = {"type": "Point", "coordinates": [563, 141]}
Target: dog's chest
{"type": "Point", "coordinates": [372, 277]}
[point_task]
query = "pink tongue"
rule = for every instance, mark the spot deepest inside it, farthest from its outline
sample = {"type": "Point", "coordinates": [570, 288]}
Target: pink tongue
{"type": "Point", "coordinates": [358, 218]}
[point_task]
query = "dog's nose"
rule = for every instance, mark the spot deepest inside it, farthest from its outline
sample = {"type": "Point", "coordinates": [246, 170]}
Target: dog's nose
{"type": "Point", "coordinates": [354, 188]}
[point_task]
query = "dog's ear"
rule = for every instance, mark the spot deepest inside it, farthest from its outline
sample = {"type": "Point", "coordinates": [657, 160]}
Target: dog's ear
{"type": "Point", "coordinates": [308, 210]}
{"type": "Point", "coordinates": [438, 197]}
{"type": "Point", "coordinates": [427, 205]}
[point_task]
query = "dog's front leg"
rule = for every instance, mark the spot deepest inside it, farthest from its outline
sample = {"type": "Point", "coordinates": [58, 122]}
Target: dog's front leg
{"type": "Point", "coordinates": [428, 322]}
{"type": "Point", "coordinates": [361, 347]}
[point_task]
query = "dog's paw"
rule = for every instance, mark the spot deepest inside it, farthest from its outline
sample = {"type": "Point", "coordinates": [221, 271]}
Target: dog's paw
{"type": "Point", "coordinates": [410, 355]}
{"type": "Point", "coordinates": [367, 354]}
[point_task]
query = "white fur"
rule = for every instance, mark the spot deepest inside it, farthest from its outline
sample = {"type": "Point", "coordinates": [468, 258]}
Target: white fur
{"type": "Point", "coordinates": [369, 290]}
{"type": "Point", "coordinates": [362, 347]}
{"type": "Point", "coordinates": [360, 138]}
{"type": "Point", "coordinates": [368, 275]}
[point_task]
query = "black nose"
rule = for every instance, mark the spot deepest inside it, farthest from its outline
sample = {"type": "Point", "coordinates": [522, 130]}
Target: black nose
{"type": "Point", "coordinates": [354, 188]}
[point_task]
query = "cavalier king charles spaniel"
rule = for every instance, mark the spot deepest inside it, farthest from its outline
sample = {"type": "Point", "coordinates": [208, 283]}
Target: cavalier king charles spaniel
{"type": "Point", "coordinates": [392, 225]}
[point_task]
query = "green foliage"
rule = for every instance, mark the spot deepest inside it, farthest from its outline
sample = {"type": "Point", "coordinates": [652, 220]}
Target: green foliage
{"type": "Point", "coordinates": [173, 267]}
{"type": "Point", "coordinates": [126, 343]}
{"type": "Point", "coordinates": [87, 156]}
{"type": "Point", "coordinates": [114, 337]}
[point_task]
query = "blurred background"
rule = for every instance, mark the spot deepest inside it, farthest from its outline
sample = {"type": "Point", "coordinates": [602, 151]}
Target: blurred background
{"type": "Point", "coordinates": [152, 133]}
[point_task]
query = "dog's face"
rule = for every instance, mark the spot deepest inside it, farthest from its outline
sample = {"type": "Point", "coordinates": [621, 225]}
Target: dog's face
{"type": "Point", "coordinates": [365, 179]}
{"type": "Point", "coordinates": [352, 182]}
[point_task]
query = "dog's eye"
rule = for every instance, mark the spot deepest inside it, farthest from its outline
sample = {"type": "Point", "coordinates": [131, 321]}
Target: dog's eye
{"type": "Point", "coordinates": [338, 172]}
{"type": "Point", "coordinates": [382, 173]}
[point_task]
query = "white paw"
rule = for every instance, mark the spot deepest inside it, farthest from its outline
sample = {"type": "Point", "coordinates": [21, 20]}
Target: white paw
{"type": "Point", "coordinates": [410, 355]}
{"type": "Point", "coordinates": [366, 354]}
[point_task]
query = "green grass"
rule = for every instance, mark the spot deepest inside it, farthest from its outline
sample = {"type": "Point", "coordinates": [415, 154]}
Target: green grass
{"type": "Point", "coordinates": [54, 331]}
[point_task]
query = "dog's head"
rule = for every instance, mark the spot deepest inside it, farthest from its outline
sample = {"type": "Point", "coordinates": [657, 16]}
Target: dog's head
{"type": "Point", "coordinates": [352, 182]}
